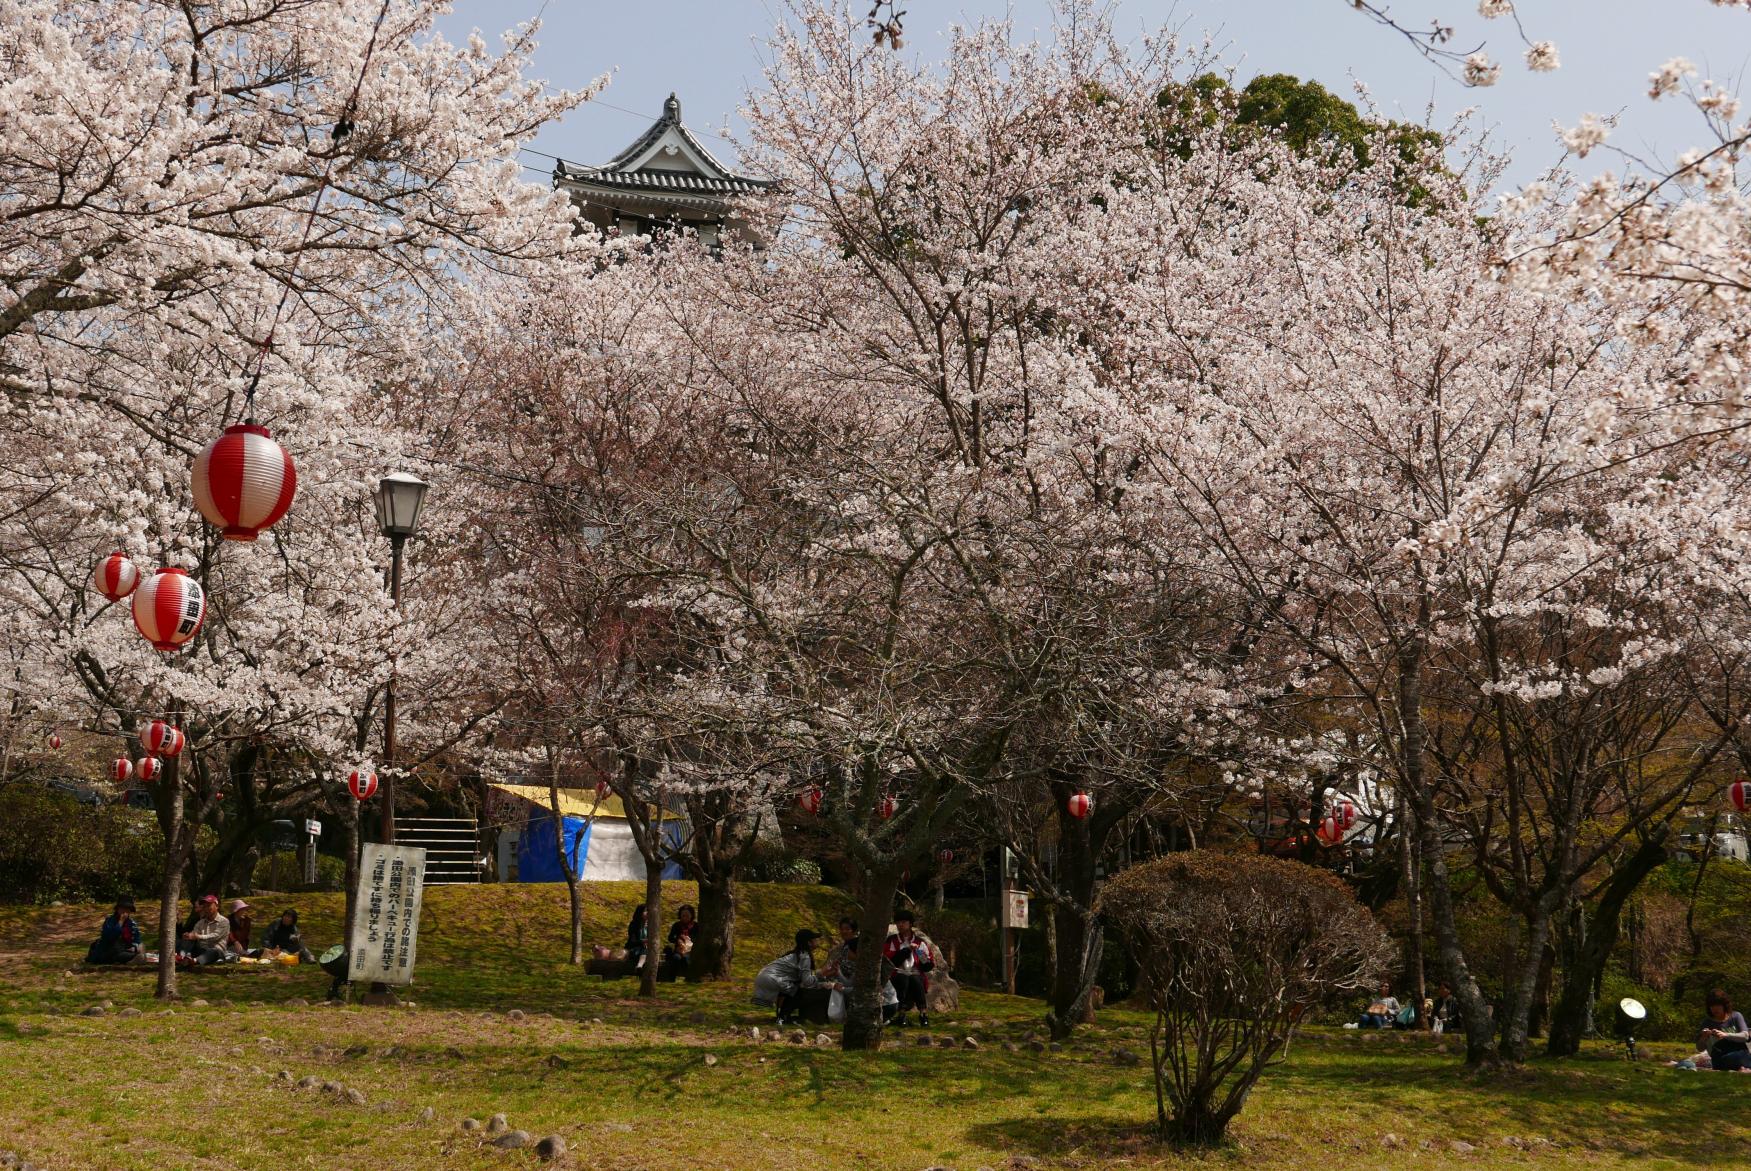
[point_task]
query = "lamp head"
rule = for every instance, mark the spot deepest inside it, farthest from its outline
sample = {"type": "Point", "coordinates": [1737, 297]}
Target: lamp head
{"type": "Point", "coordinates": [399, 498]}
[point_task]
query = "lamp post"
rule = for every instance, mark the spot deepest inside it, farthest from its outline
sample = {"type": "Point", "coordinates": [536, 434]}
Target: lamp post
{"type": "Point", "coordinates": [399, 498]}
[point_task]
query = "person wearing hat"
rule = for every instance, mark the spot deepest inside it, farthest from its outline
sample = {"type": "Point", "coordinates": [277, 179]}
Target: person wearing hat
{"type": "Point", "coordinates": [790, 985]}
{"type": "Point", "coordinates": [204, 941]}
{"type": "Point", "coordinates": [241, 921]}
{"type": "Point", "coordinates": [118, 940]}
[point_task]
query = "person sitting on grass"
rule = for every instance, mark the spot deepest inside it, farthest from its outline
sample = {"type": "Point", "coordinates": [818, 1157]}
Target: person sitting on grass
{"type": "Point", "coordinates": [635, 937]}
{"type": "Point", "coordinates": [909, 951]}
{"type": "Point", "coordinates": [203, 941]}
{"type": "Point", "coordinates": [1381, 1013]}
{"type": "Point", "coordinates": [1444, 1012]}
{"type": "Point", "coordinates": [118, 939]}
{"type": "Point", "coordinates": [1725, 1036]}
{"type": "Point", "coordinates": [283, 936]}
{"type": "Point", "coordinates": [242, 920]}
{"type": "Point", "coordinates": [791, 986]}
{"type": "Point", "coordinates": [680, 948]}
{"type": "Point", "coordinates": [838, 965]}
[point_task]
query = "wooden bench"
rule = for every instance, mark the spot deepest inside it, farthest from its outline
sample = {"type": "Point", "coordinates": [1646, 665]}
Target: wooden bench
{"type": "Point", "coordinates": [621, 969]}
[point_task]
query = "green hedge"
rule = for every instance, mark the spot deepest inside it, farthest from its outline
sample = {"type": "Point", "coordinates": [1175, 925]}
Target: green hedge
{"type": "Point", "coordinates": [55, 848]}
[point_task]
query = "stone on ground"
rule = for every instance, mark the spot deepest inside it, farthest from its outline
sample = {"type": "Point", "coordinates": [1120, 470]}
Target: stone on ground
{"type": "Point", "coordinates": [550, 1148]}
{"type": "Point", "coordinates": [516, 1014]}
{"type": "Point", "coordinates": [497, 1124]}
{"type": "Point", "coordinates": [710, 1059]}
{"type": "Point", "coordinates": [514, 1140]}
{"type": "Point", "coordinates": [471, 1124]}
{"type": "Point", "coordinates": [129, 1011]}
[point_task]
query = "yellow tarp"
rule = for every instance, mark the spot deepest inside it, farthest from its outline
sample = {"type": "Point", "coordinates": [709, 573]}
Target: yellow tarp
{"type": "Point", "coordinates": [572, 802]}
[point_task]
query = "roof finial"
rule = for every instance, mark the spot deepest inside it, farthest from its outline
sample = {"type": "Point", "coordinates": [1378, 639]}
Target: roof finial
{"type": "Point", "coordinates": [672, 108]}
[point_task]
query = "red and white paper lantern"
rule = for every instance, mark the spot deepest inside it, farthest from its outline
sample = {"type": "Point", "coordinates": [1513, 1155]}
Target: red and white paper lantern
{"type": "Point", "coordinates": [811, 799]}
{"type": "Point", "coordinates": [1330, 831]}
{"type": "Point", "coordinates": [244, 482]}
{"type": "Point", "coordinates": [1739, 793]}
{"type": "Point", "coordinates": [889, 806]}
{"type": "Point", "coordinates": [115, 577]}
{"type": "Point", "coordinates": [148, 768]}
{"type": "Point", "coordinates": [1347, 814]}
{"type": "Point", "coordinates": [602, 790]}
{"type": "Point", "coordinates": [945, 856]}
{"type": "Point", "coordinates": [121, 770]}
{"type": "Point", "coordinates": [168, 608]}
{"type": "Point", "coordinates": [54, 740]}
{"type": "Point", "coordinates": [362, 785]}
{"type": "Point", "coordinates": [1080, 805]}
{"type": "Point", "coordinates": [163, 738]}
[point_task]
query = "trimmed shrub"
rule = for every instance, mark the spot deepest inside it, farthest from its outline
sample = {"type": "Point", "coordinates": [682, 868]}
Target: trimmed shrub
{"type": "Point", "coordinates": [55, 847]}
{"type": "Point", "coordinates": [1234, 950]}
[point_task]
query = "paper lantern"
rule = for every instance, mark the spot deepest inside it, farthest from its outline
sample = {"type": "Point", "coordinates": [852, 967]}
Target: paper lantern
{"type": "Point", "coordinates": [168, 608]}
{"type": "Point", "coordinates": [121, 769]}
{"type": "Point", "coordinates": [115, 577]}
{"type": "Point", "coordinates": [888, 807]}
{"type": "Point", "coordinates": [1739, 793]}
{"type": "Point", "coordinates": [810, 799]}
{"type": "Point", "coordinates": [54, 740]}
{"type": "Point", "coordinates": [1347, 814]}
{"type": "Point", "coordinates": [244, 482]}
{"type": "Point", "coordinates": [602, 790]}
{"type": "Point", "coordinates": [361, 784]}
{"type": "Point", "coordinates": [1330, 832]}
{"type": "Point", "coordinates": [148, 768]}
{"type": "Point", "coordinates": [1080, 805]}
{"type": "Point", "coordinates": [163, 738]}
{"type": "Point", "coordinates": [945, 856]}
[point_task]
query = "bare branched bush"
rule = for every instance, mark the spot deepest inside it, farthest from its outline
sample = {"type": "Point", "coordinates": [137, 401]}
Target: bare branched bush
{"type": "Point", "coordinates": [1234, 950]}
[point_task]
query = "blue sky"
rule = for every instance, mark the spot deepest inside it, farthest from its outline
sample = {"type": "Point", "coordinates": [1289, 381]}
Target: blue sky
{"type": "Point", "coordinates": [709, 51]}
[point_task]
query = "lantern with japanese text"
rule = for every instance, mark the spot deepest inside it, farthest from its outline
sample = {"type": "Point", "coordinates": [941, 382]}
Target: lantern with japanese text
{"type": "Point", "coordinates": [944, 857]}
{"type": "Point", "coordinates": [244, 482]}
{"type": "Point", "coordinates": [361, 785]}
{"type": "Point", "coordinates": [889, 806]}
{"type": "Point", "coordinates": [1080, 805]}
{"type": "Point", "coordinates": [1739, 793]}
{"type": "Point", "coordinates": [168, 608]}
{"type": "Point", "coordinates": [121, 769]}
{"type": "Point", "coordinates": [810, 799]}
{"type": "Point", "coordinates": [115, 577]}
{"type": "Point", "coordinates": [148, 768]}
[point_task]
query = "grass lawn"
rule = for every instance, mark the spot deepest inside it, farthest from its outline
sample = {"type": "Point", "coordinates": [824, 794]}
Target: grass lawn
{"type": "Point", "coordinates": [627, 1082]}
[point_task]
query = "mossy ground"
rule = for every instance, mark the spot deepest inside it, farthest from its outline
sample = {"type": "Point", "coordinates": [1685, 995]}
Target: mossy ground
{"type": "Point", "coordinates": [199, 1088]}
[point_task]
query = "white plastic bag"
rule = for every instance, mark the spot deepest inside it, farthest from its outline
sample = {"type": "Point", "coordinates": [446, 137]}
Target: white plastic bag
{"type": "Point", "coordinates": [836, 1007]}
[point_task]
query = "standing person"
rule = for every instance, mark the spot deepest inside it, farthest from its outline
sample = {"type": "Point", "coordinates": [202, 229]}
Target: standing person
{"type": "Point", "coordinates": [242, 920]}
{"type": "Point", "coordinates": [791, 986]}
{"type": "Point", "coordinates": [1724, 1035]}
{"type": "Point", "coordinates": [680, 948]}
{"type": "Point", "coordinates": [283, 936]}
{"type": "Point", "coordinates": [909, 951]}
{"type": "Point", "coordinates": [635, 937]}
{"type": "Point", "coordinates": [204, 941]}
{"type": "Point", "coordinates": [118, 939]}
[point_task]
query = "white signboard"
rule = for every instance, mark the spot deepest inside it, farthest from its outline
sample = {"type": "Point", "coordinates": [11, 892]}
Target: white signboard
{"type": "Point", "coordinates": [386, 924]}
{"type": "Point", "coordinates": [313, 827]}
{"type": "Point", "coordinates": [1015, 908]}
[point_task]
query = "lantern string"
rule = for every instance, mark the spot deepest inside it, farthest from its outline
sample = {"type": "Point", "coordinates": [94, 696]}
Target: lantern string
{"type": "Point", "coordinates": [343, 127]}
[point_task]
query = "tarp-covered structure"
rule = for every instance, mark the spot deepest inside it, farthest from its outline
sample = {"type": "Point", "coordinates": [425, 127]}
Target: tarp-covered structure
{"type": "Point", "coordinates": [597, 832]}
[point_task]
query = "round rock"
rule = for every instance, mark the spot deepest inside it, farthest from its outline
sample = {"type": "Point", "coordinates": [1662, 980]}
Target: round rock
{"type": "Point", "coordinates": [512, 1140]}
{"type": "Point", "coordinates": [550, 1148]}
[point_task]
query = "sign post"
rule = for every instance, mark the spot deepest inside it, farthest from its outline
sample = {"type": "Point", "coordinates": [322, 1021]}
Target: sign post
{"type": "Point", "coordinates": [386, 924]}
{"type": "Point", "coordinates": [313, 830]}
{"type": "Point", "coordinates": [1012, 913]}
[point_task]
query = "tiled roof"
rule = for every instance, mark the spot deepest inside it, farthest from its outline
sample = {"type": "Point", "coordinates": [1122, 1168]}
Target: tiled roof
{"type": "Point", "coordinates": [614, 173]}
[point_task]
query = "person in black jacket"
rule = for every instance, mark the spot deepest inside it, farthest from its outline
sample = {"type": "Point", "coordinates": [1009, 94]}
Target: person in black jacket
{"type": "Point", "coordinates": [680, 949]}
{"type": "Point", "coordinates": [1444, 1014]}
{"type": "Point", "coordinates": [284, 936]}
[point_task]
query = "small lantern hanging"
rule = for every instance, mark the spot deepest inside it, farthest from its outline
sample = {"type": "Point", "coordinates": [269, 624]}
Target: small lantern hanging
{"type": "Point", "coordinates": [361, 784]}
{"type": "Point", "coordinates": [944, 857]}
{"type": "Point", "coordinates": [1739, 793]}
{"type": "Point", "coordinates": [54, 740]}
{"type": "Point", "coordinates": [1080, 805]}
{"type": "Point", "coordinates": [1330, 831]}
{"type": "Point", "coordinates": [163, 738]}
{"type": "Point", "coordinates": [121, 770]}
{"type": "Point", "coordinates": [244, 482]}
{"type": "Point", "coordinates": [115, 577]}
{"type": "Point", "coordinates": [1347, 814]}
{"type": "Point", "coordinates": [148, 768]}
{"type": "Point", "coordinates": [168, 608]}
{"type": "Point", "coordinates": [811, 799]}
{"type": "Point", "coordinates": [889, 806]}
{"type": "Point", "coordinates": [602, 791]}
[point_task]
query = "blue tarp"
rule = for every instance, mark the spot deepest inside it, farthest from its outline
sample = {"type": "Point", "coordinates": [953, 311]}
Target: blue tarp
{"type": "Point", "coordinates": [537, 861]}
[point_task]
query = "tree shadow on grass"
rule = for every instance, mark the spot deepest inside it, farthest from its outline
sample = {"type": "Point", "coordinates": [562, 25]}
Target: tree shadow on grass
{"type": "Point", "coordinates": [1051, 1137]}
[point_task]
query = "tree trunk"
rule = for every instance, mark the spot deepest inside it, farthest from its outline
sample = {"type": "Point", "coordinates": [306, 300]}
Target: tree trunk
{"type": "Point", "coordinates": [714, 939]}
{"type": "Point", "coordinates": [1518, 992]}
{"type": "Point", "coordinates": [1540, 1016]}
{"type": "Point", "coordinates": [170, 815]}
{"type": "Point", "coordinates": [863, 1009]}
{"type": "Point", "coordinates": [1598, 936]}
{"type": "Point", "coordinates": [1410, 866]}
{"type": "Point", "coordinates": [575, 890]}
{"type": "Point", "coordinates": [350, 856]}
{"type": "Point", "coordinates": [1479, 1028]}
{"type": "Point", "coordinates": [653, 924]}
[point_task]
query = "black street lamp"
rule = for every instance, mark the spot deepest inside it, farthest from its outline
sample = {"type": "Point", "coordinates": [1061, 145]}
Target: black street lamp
{"type": "Point", "coordinates": [399, 498]}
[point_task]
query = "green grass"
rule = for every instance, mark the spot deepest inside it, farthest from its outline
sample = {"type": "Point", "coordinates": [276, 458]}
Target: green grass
{"type": "Point", "coordinates": [634, 1091]}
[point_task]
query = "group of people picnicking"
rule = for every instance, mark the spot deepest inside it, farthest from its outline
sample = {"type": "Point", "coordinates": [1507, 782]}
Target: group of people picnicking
{"type": "Point", "coordinates": [206, 937]}
{"type": "Point", "coordinates": [796, 989]}
{"type": "Point", "coordinates": [1439, 1013]}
